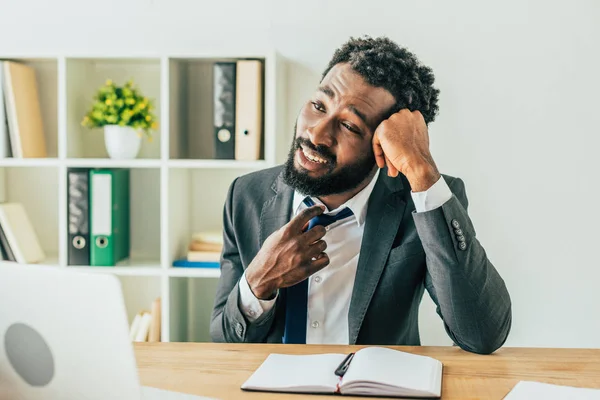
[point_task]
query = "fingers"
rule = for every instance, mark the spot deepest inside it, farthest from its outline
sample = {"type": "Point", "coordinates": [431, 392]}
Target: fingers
{"type": "Point", "coordinates": [317, 248]}
{"type": "Point", "coordinates": [392, 171]}
{"type": "Point", "coordinates": [320, 262]}
{"type": "Point", "coordinates": [315, 234]}
{"type": "Point", "coordinates": [378, 150]}
{"type": "Point", "coordinates": [300, 221]}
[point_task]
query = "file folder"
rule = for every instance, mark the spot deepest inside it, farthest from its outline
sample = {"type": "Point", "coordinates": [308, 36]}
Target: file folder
{"type": "Point", "coordinates": [224, 94]}
{"type": "Point", "coordinates": [249, 110]}
{"type": "Point", "coordinates": [109, 216]}
{"type": "Point", "coordinates": [78, 215]}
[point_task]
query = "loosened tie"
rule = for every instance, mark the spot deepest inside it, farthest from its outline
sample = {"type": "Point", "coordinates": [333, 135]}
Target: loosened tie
{"type": "Point", "coordinates": [297, 295]}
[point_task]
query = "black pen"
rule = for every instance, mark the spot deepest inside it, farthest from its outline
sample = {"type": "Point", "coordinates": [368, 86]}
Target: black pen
{"type": "Point", "coordinates": [343, 367]}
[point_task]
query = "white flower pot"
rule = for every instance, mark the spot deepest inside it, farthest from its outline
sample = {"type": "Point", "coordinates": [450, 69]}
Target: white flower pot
{"type": "Point", "coordinates": [122, 142]}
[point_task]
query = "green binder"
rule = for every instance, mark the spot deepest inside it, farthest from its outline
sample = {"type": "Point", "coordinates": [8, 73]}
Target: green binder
{"type": "Point", "coordinates": [109, 216]}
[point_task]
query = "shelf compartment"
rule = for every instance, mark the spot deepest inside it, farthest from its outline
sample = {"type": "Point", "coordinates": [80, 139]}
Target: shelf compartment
{"type": "Point", "coordinates": [144, 219]}
{"type": "Point", "coordinates": [190, 302]}
{"type": "Point", "coordinates": [196, 201]}
{"type": "Point", "coordinates": [139, 292]}
{"type": "Point", "coordinates": [46, 74]}
{"type": "Point", "coordinates": [84, 77]}
{"type": "Point", "coordinates": [24, 185]}
{"type": "Point", "coordinates": [191, 112]}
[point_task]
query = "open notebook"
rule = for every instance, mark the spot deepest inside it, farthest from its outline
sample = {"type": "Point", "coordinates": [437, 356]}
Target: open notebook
{"type": "Point", "coordinates": [373, 371]}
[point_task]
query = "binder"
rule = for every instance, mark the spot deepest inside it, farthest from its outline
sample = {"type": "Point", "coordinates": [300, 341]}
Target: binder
{"type": "Point", "coordinates": [78, 216]}
{"type": "Point", "coordinates": [23, 111]}
{"type": "Point", "coordinates": [109, 216]}
{"type": "Point", "coordinates": [249, 110]}
{"type": "Point", "coordinates": [224, 93]}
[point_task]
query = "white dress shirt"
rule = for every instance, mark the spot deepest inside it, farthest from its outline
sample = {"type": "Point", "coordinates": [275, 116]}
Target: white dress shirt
{"type": "Point", "coordinates": [330, 289]}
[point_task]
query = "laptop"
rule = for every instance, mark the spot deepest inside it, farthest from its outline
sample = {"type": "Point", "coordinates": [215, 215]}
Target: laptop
{"type": "Point", "coordinates": [64, 335]}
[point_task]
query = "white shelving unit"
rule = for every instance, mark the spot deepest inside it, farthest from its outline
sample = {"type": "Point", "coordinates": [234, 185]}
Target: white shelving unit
{"type": "Point", "coordinates": [176, 187]}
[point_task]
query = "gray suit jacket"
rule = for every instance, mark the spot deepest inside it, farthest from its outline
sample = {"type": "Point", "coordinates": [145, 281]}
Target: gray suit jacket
{"type": "Point", "coordinates": [402, 254]}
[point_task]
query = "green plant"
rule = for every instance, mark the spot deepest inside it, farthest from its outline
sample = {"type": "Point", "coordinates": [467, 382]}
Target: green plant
{"type": "Point", "coordinates": [123, 106]}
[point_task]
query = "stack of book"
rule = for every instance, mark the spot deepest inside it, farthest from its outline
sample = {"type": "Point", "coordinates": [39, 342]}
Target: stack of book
{"type": "Point", "coordinates": [145, 326]}
{"type": "Point", "coordinates": [204, 251]}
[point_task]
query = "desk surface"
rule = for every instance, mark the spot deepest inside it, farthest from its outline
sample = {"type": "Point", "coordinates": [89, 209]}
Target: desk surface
{"type": "Point", "coordinates": [218, 370]}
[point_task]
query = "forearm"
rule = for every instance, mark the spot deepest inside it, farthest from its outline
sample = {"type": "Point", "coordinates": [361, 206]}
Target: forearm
{"type": "Point", "coordinates": [471, 296]}
{"type": "Point", "coordinates": [230, 324]}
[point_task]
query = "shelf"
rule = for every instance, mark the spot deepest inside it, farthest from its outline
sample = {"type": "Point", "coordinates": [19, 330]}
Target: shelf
{"type": "Point", "coordinates": [126, 268]}
{"type": "Point", "coordinates": [29, 162]}
{"type": "Point", "coordinates": [194, 272]}
{"type": "Point", "coordinates": [178, 184]}
{"type": "Point", "coordinates": [217, 164]}
{"type": "Point", "coordinates": [110, 163]}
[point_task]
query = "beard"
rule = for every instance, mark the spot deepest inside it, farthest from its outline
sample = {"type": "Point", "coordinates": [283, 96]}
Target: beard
{"type": "Point", "coordinates": [332, 182]}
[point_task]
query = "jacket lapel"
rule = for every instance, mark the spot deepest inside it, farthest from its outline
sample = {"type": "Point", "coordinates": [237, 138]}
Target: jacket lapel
{"type": "Point", "coordinates": [276, 211]}
{"type": "Point", "coordinates": [384, 214]}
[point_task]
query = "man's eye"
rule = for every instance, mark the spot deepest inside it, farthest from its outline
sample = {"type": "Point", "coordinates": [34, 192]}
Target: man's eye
{"type": "Point", "coordinates": [318, 106]}
{"type": "Point", "coordinates": [350, 128]}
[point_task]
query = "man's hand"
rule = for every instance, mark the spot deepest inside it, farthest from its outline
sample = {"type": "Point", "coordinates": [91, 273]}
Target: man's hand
{"type": "Point", "coordinates": [286, 257]}
{"type": "Point", "coordinates": [402, 143]}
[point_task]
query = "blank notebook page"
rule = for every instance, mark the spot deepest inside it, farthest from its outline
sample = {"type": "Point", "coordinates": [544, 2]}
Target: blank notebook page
{"type": "Point", "coordinates": [306, 373]}
{"type": "Point", "coordinates": [391, 367]}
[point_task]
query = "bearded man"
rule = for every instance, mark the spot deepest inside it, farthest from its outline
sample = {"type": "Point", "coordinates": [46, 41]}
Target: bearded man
{"type": "Point", "coordinates": [338, 245]}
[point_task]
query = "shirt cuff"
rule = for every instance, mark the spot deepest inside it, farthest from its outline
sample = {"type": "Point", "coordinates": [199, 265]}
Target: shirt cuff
{"type": "Point", "coordinates": [250, 305]}
{"type": "Point", "coordinates": [433, 197]}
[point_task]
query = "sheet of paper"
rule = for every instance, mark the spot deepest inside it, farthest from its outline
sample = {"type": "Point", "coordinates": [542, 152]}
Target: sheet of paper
{"type": "Point", "coordinates": [151, 393]}
{"type": "Point", "coordinates": [538, 390]}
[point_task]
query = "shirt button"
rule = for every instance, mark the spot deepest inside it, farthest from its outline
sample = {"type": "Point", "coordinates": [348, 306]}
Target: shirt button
{"type": "Point", "coordinates": [327, 228]}
{"type": "Point", "coordinates": [252, 313]}
{"type": "Point", "coordinates": [317, 279]}
{"type": "Point", "coordinates": [315, 324]}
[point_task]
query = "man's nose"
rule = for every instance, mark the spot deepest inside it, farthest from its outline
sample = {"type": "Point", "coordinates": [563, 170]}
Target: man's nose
{"type": "Point", "coordinates": [321, 133]}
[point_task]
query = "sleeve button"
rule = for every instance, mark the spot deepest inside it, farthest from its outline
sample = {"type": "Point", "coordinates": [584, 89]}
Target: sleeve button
{"type": "Point", "coordinates": [455, 224]}
{"type": "Point", "coordinates": [239, 329]}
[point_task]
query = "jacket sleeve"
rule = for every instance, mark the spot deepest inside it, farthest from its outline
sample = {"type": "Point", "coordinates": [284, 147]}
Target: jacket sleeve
{"type": "Point", "coordinates": [228, 322]}
{"type": "Point", "coordinates": [470, 296]}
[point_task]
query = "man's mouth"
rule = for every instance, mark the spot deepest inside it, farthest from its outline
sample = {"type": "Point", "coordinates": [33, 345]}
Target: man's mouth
{"type": "Point", "coordinates": [312, 156]}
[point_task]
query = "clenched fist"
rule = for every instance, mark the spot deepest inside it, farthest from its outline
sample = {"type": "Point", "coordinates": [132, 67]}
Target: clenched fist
{"type": "Point", "coordinates": [402, 143]}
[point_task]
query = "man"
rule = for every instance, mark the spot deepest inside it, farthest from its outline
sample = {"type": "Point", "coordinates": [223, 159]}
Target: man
{"type": "Point", "coordinates": [360, 153]}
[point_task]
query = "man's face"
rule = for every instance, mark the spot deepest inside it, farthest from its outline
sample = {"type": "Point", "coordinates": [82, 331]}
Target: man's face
{"type": "Point", "coordinates": [332, 151]}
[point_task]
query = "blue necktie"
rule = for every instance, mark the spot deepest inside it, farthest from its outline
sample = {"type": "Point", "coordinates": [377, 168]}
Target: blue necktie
{"type": "Point", "coordinates": [297, 295]}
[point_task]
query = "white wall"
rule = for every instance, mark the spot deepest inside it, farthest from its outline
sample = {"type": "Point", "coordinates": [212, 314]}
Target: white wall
{"type": "Point", "coordinates": [519, 119]}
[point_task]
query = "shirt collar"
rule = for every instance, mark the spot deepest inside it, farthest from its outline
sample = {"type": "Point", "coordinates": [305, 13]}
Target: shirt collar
{"type": "Point", "coordinates": [358, 203]}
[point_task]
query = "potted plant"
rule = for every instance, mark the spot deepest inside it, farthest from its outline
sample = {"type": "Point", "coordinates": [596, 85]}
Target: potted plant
{"type": "Point", "coordinates": [125, 114]}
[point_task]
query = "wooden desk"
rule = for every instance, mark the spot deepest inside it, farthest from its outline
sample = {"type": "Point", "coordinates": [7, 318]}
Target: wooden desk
{"type": "Point", "coordinates": [218, 370]}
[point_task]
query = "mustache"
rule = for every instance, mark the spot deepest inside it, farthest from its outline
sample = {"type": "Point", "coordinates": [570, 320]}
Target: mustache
{"type": "Point", "coordinates": [322, 151]}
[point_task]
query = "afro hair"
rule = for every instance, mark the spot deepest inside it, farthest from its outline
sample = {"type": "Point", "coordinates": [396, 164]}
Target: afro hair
{"type": "Point", "coordinates": [383, 63]}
